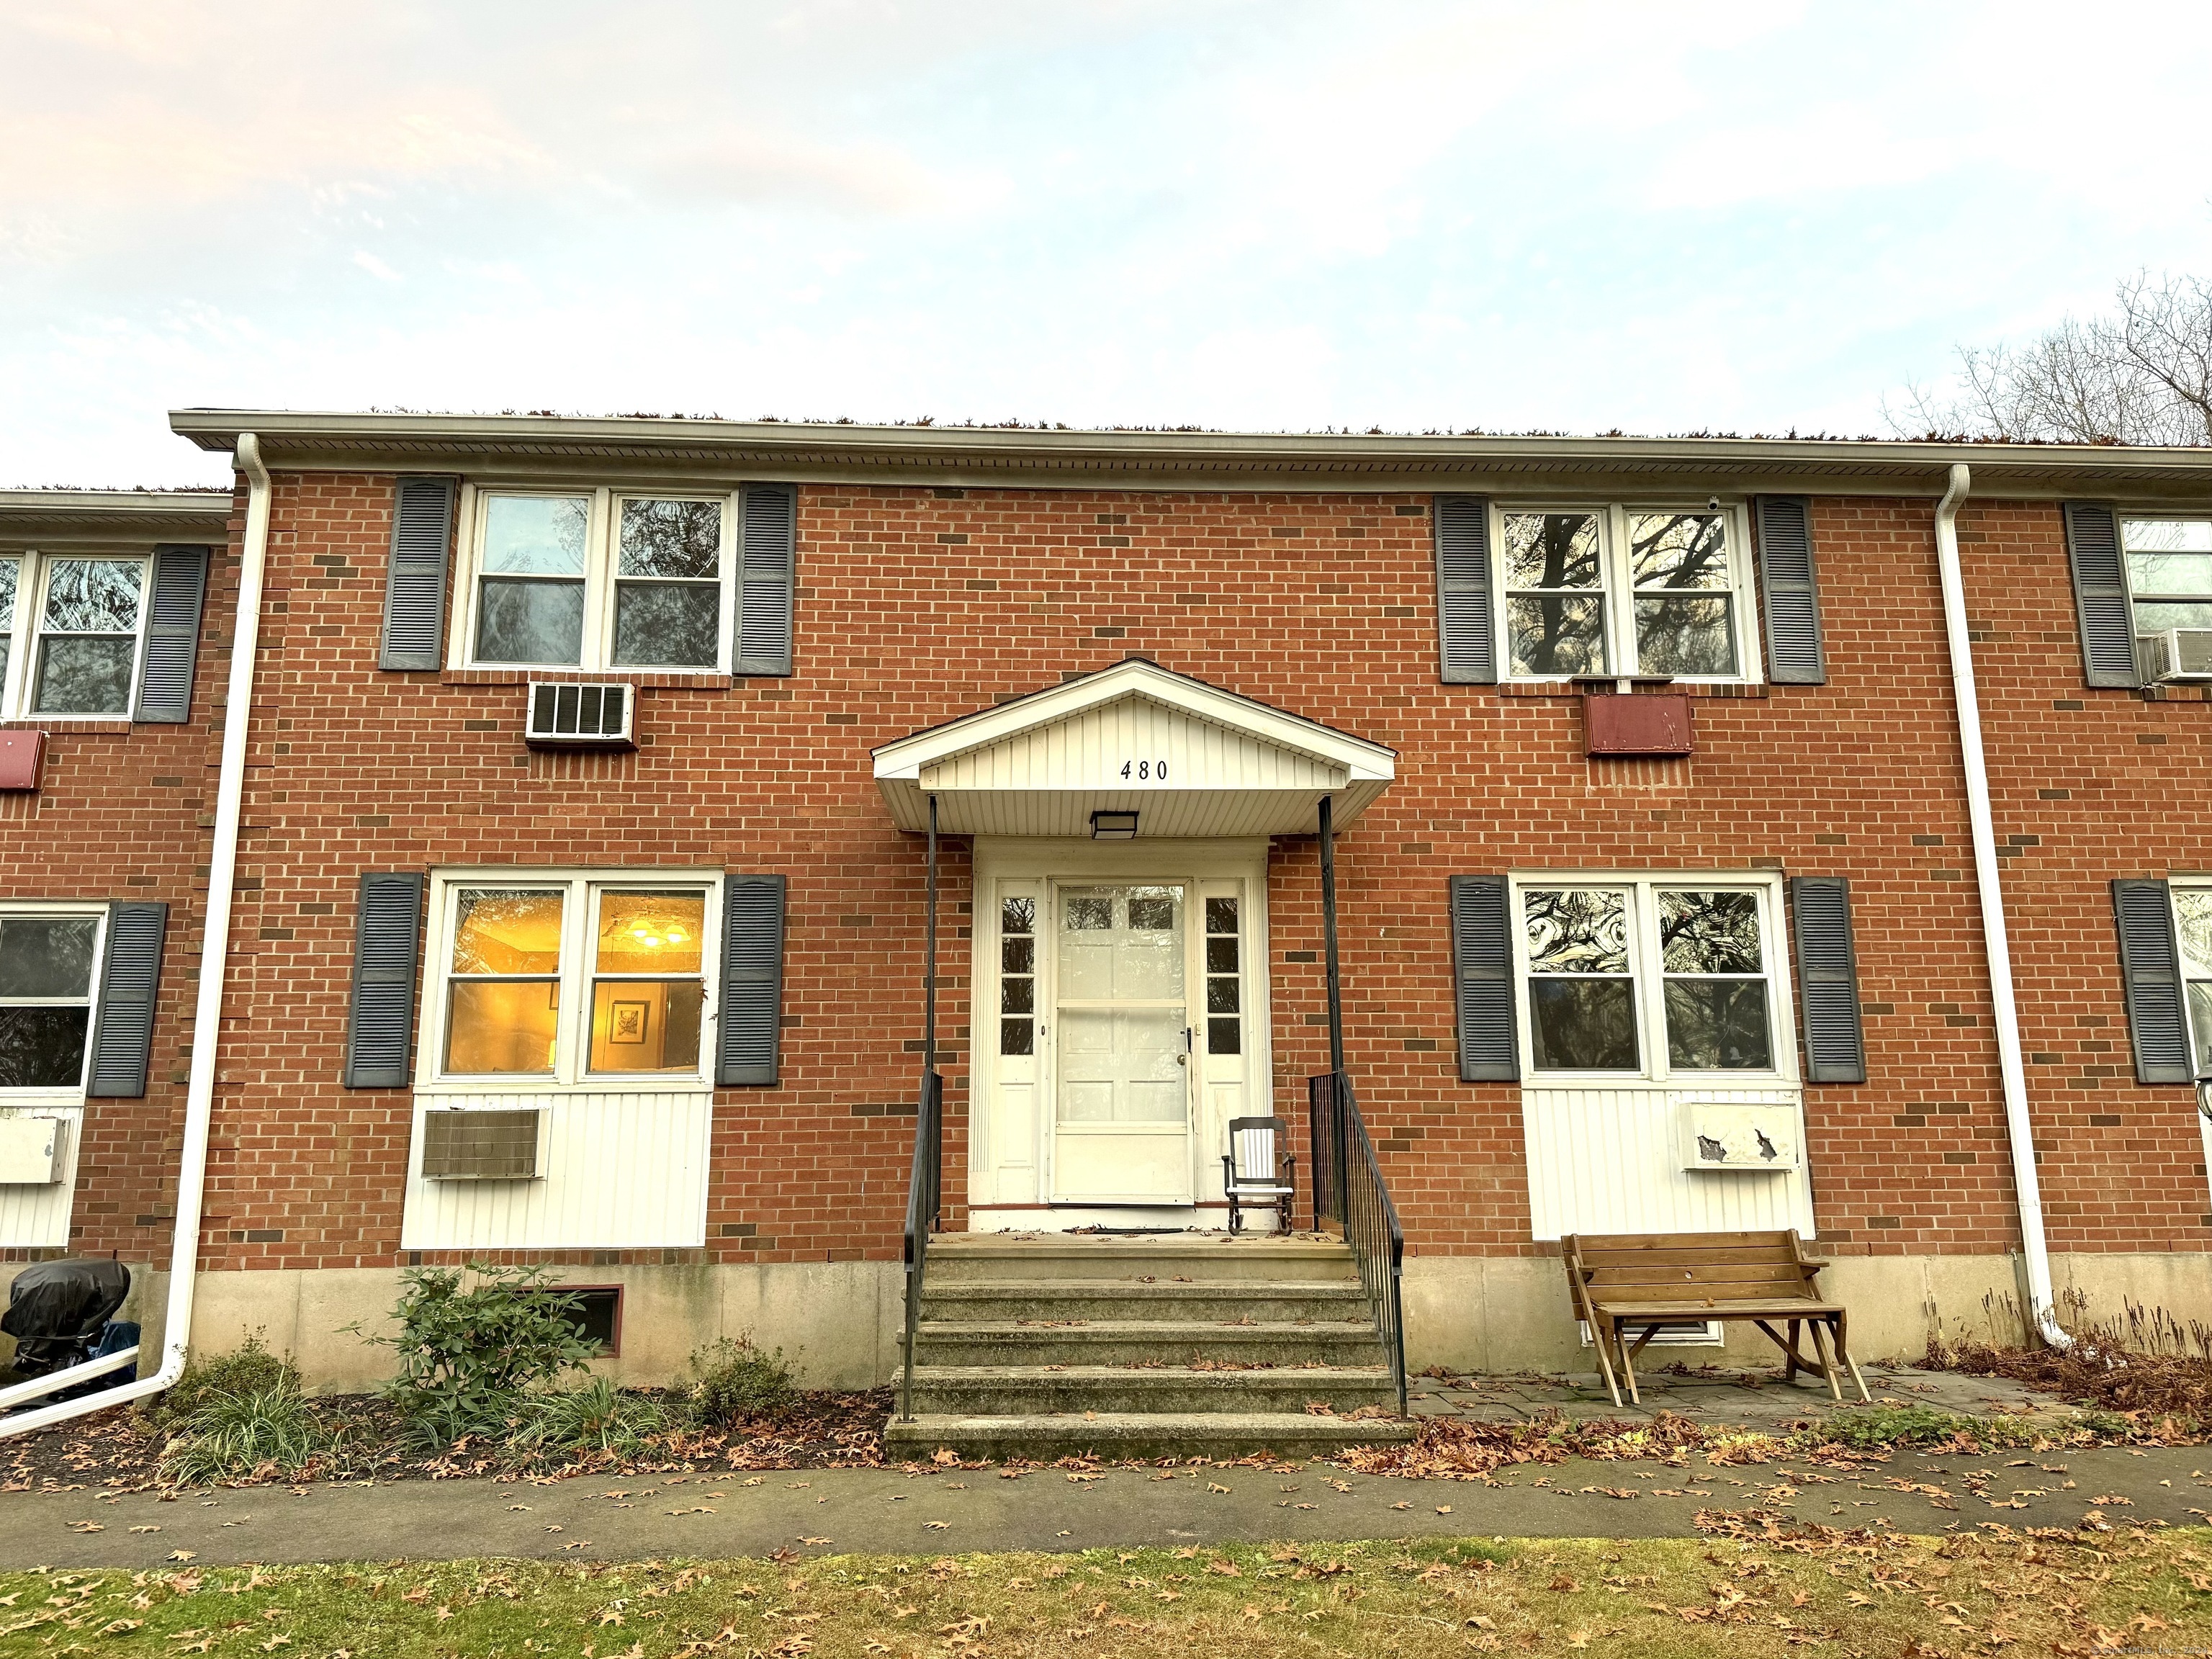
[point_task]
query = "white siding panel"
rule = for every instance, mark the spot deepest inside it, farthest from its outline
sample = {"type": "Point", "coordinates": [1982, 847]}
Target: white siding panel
{"type": "Point", "coordinates": [1606, 1161]}
{"type": "Point", "coordinates": [621, 1171]}
{"type": "Point", "coordinates": [1087, 752]}
{"type": "Point", "coordinates": [37, 1218]}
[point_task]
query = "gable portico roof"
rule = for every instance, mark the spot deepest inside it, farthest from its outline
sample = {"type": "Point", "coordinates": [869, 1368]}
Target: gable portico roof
{"type": "Point", "coordinates": [1190, 758]}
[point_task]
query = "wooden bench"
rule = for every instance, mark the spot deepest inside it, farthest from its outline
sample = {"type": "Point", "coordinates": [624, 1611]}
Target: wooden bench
{"type": "Point", "coordinates": [1621, 1280]}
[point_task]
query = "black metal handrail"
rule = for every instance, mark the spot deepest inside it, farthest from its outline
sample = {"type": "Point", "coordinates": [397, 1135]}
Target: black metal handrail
{"type": "Point", "coordinates": [1348, 1190]}
{"type": "Point", "coordinates": [924, 1203]}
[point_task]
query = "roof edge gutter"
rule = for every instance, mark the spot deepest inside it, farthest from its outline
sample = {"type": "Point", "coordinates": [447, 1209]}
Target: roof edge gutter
{"type": "Point", "coordinates": [207, 1015]}
{"type": "Point", "coordinates": [2020, 1130]}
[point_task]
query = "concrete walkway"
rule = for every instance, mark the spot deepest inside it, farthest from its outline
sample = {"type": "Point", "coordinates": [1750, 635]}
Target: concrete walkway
{"type": "Point", "coordinates": [1752, 1397]}
{"type": "Point", "coordinates": [892, 1512]}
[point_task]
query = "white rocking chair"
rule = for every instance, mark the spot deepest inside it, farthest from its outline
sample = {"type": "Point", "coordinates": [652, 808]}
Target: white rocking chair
{"type": "Point", "coordinates": [1257, 1172]}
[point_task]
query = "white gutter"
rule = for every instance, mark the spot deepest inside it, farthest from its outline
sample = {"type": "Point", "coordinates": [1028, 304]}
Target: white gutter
{"type": "Point", "coordinates": [2027, 1191]}
{"type": "Point", "coordinates": [207, 1014]}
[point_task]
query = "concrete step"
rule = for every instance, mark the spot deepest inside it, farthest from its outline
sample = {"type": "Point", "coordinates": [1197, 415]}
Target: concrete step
{"type": "Point", "coordinates": [1103, 1298]}
{"type": "Point", "coordinates": [1126, 1341]}
{"type": "Point", "coordinates": [1112, 1435]}
{"type": "Point", "coordinates": [1032, 1391]}
{"type": "Point", "coordinates": [966, 1258]}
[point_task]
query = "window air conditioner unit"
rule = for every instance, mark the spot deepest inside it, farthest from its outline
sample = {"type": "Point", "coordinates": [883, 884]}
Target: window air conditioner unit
{"type": "Point", "coordinates": [1729, 1135]}
{"type": "Point", "coordinates": [572, 716]}
{"type": "Point", "coordinates": [34, 1151]}
{"type": "Point", "coordinates": [2175, 654]}
{"type": "Point", "coordinates": [462, 1144]}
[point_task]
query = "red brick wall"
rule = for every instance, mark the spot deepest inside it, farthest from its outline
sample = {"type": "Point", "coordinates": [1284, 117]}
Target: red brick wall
{"type": "Point", "coordinates": [915, 605]}
{"type": "Point", "coordinates": [125, 812]}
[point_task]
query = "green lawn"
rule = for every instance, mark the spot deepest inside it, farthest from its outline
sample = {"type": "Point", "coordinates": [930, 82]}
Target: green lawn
{"type": "Point", "coordinates": [1731, 1595]}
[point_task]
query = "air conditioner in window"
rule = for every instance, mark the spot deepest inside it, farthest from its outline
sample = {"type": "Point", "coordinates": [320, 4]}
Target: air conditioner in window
{"type": "Point", "coordinates": [2175, 654]}
{"type": "Point", "coordinates": [579, 716]}
{"type": "Point", "coordinates": [34, 1151]}
{"type": "Point", "coordinates": [461, 1144]}
{"type": "Point", "coordinates": [1729, 1135]}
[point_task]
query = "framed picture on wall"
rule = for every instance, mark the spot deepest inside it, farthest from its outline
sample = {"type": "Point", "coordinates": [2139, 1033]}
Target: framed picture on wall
{"type": "Point", "coordinates": [626, 1021]}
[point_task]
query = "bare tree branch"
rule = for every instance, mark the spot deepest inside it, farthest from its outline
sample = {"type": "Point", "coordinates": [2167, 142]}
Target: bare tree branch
{"type": "Point", "coordinates": [2143, 376]}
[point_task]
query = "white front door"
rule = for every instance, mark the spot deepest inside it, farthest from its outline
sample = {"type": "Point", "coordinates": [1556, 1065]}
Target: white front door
{"type": "Point", "coordinates": [1121, 1042]}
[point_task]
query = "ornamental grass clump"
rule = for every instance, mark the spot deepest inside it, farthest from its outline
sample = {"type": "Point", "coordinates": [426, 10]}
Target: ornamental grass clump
{"type": "Point", "coordinates": [595, 1418]}
{"type": "Point", "coordinates": [241, 1415]}
{"type": "Point", "coordinates": [474, 1344]}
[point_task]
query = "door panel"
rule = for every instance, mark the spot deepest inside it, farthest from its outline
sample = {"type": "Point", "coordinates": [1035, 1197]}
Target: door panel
{"type": "Point", "coordinates": [1121, 1044]}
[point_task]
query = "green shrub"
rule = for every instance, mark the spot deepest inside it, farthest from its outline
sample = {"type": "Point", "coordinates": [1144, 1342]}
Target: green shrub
{"type": "Point", "coordinates": [473, 1342]}
{"type": "Point", "coordinates": [250, 1368]}
{"type": "Point", "coordinates": [738, 1381]}
{"type": "Point", "coordinates": [595, 1418]}
{"type": "Point", "coordinates": [226, 1436]}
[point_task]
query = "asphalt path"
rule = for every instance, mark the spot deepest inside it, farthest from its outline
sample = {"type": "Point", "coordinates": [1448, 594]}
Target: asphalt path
{"type": "Point", "coordinates": [891, 1511]}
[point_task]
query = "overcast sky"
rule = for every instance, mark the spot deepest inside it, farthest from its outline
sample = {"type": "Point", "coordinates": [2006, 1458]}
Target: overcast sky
{"type": "Point", "coordinates": [1260, 214]}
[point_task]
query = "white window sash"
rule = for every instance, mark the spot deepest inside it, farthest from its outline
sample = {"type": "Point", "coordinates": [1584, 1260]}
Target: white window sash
{"type": "Point", "coordinates": [97, 914]}
{"type": "Point", "coordinates": [582, 890]}
{"type": "Point", "coordinates": [1618, 589]}
{"type": "Point", "coordinates": [602, 566]}
{"type": "Point", "coordinates": [26, 633]}
{"type": "Point", "coordinates": [1648, 977]}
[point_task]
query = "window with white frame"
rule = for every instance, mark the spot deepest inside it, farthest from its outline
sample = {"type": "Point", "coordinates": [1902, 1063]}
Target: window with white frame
{"type": "Point", "coordinates": [49, 960]}
{"type": "Point", "coordinates": [599, 578]}
{"type": "Point", "coordinates": [2192, 930]}
{"type": "Point", "coordinates": [1652, 978]}
{"type": "Point", "coordinates": [71, 627]}
{"type": "Point", "coordinates": [2169, 574]}
{"type": "Point", "coordinates": [1623, 591]}
{"type": "Point", "coordinates": [573, 980]}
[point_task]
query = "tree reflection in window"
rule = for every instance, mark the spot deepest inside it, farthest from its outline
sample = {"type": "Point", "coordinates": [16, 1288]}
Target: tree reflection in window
{"type": "Point", "coordinates": [1715, 987]}
{"type": "Point", "coordinates": [1679, 562]}
{"type": "Point", "coordinates": [2193, 913]}
{"type": "Point", "coordinates": [1582, 991]}
{"type": "Point", "coordinates": [1555, 603]}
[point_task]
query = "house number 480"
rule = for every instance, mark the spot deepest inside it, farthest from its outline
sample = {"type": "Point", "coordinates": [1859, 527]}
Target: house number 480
{"type": "Point", "coordinates": [1146, 771]}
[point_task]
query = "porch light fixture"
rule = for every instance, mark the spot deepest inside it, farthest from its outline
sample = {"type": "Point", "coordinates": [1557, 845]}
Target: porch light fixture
{"type": "Point", "coordinates": [1113, 826]}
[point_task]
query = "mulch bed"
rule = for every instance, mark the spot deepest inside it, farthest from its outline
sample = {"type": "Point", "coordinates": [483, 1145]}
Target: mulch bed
{"type": "Point", "coordinates": [121, 1449]}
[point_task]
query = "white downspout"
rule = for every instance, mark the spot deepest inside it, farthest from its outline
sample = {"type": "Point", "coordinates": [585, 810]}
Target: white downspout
{"type": "Point", "coordinates": [207, 1014]}
{"type": "Point", "coordinates": [2027, 1190]}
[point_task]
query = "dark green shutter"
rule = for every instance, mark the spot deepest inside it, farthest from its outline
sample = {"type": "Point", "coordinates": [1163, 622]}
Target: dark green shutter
{"type": "Point", "coordinates": [2100, 594]}
{"type": "Point", "coordinates": [767, 551]}
{"type": "Point", "coordinates": [2150, 975]}
{"type": "Point", "coordinates": [173, 634]}
{"type": "Point", "coordinates": [415, 584]}
{"type": "Point", "coordinates": [1466, 639]}
{"type": "Point", "coordinates": [130, 975]}
{"type": "Point", "coordinates": [747, 1043]}
{"type": "Point", "coordinates": [1828, 979]}
{"type": "Point", "coordinates": [1796, 654]}
{"type": "Point", "coordinates": [386, 952]}
{"type": "Point", "coordinates": [1482, 965]}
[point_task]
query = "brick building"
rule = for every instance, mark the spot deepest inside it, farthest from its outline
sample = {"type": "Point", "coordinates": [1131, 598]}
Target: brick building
{"type": "Point", "coordinates": [577, 905]}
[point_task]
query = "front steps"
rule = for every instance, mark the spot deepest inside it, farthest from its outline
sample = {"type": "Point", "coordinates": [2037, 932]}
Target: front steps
{"type": "Point", "coordinates": [1183, 1345]}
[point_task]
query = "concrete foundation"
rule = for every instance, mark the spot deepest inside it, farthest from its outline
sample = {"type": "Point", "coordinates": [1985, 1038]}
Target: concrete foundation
{"type": "Point", "coordinates": [839, 1324]}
